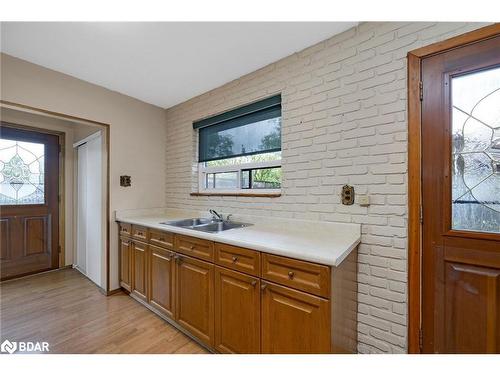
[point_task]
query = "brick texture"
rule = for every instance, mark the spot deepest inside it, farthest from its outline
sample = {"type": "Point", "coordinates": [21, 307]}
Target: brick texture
{"type": "Point", "coordinates": [344, 121]}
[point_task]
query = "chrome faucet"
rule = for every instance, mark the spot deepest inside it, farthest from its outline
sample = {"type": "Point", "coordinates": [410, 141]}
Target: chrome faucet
{"type": "Point", "coordinates": [216, 215]}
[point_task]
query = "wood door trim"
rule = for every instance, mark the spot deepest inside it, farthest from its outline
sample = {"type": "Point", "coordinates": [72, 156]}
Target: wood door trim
{"type": "Point", "coordinates": [415, 170]}
{"type": "Point", "coordinates": [107, 132]}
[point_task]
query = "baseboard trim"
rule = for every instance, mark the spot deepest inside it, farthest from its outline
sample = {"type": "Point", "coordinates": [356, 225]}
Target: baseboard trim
{"type": "Point", "coordinates": [114, 291]}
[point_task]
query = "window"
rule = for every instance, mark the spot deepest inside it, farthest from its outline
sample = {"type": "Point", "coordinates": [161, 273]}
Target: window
{"type": "Point", "coordinates": [240, 150]}
{"type": "Point", "coordinates": [476, 151]}
{"type": "Point", "coordinates": [21, 172]}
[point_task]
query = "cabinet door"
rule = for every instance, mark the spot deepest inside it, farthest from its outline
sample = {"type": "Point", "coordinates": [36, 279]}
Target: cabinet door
{"type": "Point", "coordinates": [195, 297]}
{"type": "Point", "coordinates": [125, 269]}
{"type": "Point", "coordinates": [139, 269]}
{"type": "Point", "coordinates": [293, 321]}
{"type": "Point", "coordinates": [237, 312]}
{"type": "Point", "coordinates": [161, 278]}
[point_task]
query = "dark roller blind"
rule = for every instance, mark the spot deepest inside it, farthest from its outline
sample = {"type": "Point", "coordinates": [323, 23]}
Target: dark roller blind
{"type": "Point", "coordinates": [252, 129]}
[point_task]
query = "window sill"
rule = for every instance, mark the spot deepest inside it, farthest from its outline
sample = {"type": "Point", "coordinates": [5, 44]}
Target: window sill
{"type": "Point", "coordinates": [236, 194]}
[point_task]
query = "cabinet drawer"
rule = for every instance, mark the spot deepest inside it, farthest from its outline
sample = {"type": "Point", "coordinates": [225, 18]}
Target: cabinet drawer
{"type": "Point", "coordinates": [195, 247]}
{"type": "Point", "coordinates": [140, 233]}
{"type": "Point", "coordinates": [305, 276]}
{"type": "Point", "coordinates": [238, 258]}
{"type": "Point", "coordinates": [125, 229]}
{"type": "Point", "coordinates": [163, 239]}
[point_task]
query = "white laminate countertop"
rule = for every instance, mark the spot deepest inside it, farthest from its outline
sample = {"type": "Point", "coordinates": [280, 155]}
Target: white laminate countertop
{"type": "Point", "coordinates": [321, 242]}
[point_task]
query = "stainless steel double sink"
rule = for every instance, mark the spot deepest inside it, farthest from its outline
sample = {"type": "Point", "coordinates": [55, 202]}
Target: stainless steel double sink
{"type": "Point", "coordinates": [206, 225]}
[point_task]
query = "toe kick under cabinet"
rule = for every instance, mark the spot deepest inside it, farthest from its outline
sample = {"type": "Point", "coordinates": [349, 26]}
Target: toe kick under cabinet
{"type": "Point", "coordinates": [238, 300]}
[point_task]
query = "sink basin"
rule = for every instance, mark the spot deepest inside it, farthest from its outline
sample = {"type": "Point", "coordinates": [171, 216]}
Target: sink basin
{"type": "Point", "coordinates": [219, 226]}
{"type": "Point", "coordinates": [187, 223]}
{"type": "Point", "coordinates": [206, 225]}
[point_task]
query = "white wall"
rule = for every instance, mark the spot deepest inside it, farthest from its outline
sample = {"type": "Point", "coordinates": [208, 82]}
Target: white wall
{"type": "Point", "coordinates": [344, 121]}
{"type": "Point", "coordinates": [137, 132]}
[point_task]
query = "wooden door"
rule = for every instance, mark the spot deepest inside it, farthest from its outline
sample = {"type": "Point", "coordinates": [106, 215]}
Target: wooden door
{"type": "Point", "coordinates": [195, 297]}
{"type": "Point", "coordinates": [29, 202]}
{"type": "Point", "coordinates": [139, 269]}
{"type": "Point", "coordinates": [125, 263]}
{"type": "Point", "coordinates": [161, 279]}
{"type": "Point", "coordinates": [293, 321]}
{"type": "Point", "coordinates": [237, 312]}
{"type": "Point", "coordinates": [461, 200]}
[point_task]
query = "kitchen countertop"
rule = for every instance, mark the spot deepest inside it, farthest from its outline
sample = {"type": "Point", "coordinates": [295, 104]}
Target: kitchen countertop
{"type": "Point", "coordinates": [321, 242]}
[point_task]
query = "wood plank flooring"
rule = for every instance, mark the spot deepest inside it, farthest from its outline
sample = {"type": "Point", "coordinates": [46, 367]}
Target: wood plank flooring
{"type": "Point", "coordinates": [67, 310]}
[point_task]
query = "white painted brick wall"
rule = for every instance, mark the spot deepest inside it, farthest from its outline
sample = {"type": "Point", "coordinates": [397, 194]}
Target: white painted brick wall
{"type": "Point", "coordinates": [344, 121]}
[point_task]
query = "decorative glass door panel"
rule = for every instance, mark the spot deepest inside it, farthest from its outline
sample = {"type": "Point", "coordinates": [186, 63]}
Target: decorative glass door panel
{"type": "Point", "coordinates": [29, 201]}
{"type": "Point", "coordinates": [476, 151]}
{"type": "Point", "coordinates": [22, 176]}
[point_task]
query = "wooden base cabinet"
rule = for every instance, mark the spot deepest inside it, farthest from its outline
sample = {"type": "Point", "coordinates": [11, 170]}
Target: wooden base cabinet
{"type": "Point", "coordinates": [161, 280]}
{"type": "Point", "coordinates": [236, 300]}
{"type": "Point", "coordinates": [195, 297]}
{"type": "Point", "coordinates": [237, 312]}
{"type": "Point", "coordinates": [139, 269]}
{"type": "Point", "coordinates": [125, 269]}
{"type": "Point", "coordinates": [293, 321]}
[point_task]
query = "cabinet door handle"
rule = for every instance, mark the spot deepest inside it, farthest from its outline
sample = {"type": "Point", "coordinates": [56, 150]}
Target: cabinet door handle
{"type": "Point", "coordinates": [235, 259]}
{"type": "Point", "coordinates": [291, 274]}
{"type": "Point", "coordinates": [254, 282]}
{"type": "Point", "coordinates": [192, 247]}
{"type": "Point", "coordinates": [263, 287]}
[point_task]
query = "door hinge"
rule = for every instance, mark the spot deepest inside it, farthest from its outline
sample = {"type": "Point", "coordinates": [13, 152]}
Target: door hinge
{"type": "Point", "coordinates": [421, 90]}
{"type": "Point", "coordinates": [421, 214]}
{"type": "Point", "coordinates": [59, 248]}
{"type": "Point", "coordinates": [420, 338]}
{"type": "Point", "coordinates": [59, 198]}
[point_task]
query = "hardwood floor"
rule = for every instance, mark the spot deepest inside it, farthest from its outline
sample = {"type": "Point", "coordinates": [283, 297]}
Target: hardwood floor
{"type": "Point", "coordinates": [67, 310]}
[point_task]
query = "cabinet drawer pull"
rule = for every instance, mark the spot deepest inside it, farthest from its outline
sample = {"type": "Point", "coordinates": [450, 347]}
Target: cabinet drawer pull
{"type": "Point", "coordinates": [140, 234]}
{"type": "Point", "coordinates": [263, 286]}
{"type": "Point", "coordinates": [254, 282]}
{"type": "Point", "coordinates": [291, 274]}
{"type": "Point", "coordinates": [235, 259]}
{"type": "Point", "coordinates": [192, 247]}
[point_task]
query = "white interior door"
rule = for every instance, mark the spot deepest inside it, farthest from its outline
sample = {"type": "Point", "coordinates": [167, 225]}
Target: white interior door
{"type": "Point", "coordinates": [81, 227]}
{"type": "Point", "coordinates": [90, 250]}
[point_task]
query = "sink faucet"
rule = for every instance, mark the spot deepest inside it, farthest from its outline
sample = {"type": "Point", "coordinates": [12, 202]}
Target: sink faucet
{"type": "Point", "coordinates": [216, 215]}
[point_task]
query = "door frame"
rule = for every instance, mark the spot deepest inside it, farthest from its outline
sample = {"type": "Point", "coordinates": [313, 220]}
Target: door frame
{"type": "Point", "coordinates": [415, 58]}
{"type": "Point", "coordinates": [106, 129]}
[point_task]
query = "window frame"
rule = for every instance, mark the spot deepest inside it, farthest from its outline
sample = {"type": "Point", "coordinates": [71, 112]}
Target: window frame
{"type": "Point", "coordinates": [252, 109]}
{"type": "Point", "coordinates": [203, 170]}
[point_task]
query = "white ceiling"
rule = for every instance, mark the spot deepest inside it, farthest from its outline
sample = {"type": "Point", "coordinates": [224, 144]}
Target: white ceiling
{"type": "Point", "coordinates": [162, 63]}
